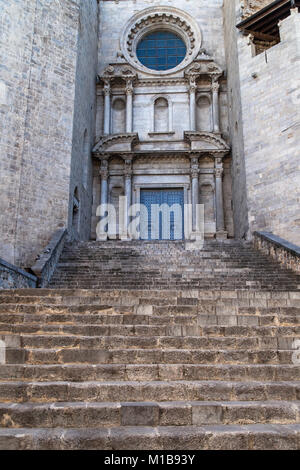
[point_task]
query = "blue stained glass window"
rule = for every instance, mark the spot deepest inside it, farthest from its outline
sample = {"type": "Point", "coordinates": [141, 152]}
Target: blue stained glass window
{"type": "Point", "coordinates": [161, 50]}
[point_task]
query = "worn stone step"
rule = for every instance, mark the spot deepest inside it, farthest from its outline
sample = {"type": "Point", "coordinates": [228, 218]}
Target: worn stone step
{"type": "Point", "coordinates": [102, 414]}
{"type": "Point", "coordinates": [139, 391]}
{"type": "Point", "coordinates": [208, 308]}
{"type": "Point", "coordinates": [149, 330]}
{"type": "Point", "coordinates": [210, 437]}
{"type": "Point", "coordinates": [147, 284]}
{"type": "Point", "coordinates": [153, 356]}
{"type": "Point", "coordinates": [162, 372]}
{"type": "Point", "coordinates": [156, 342]}
{"type": "Point", "coordinates": [100, 319]}
{"type": "Point", "coordinates": [119, 319]}
{"type": "Point", "coordinates": [65, 295]}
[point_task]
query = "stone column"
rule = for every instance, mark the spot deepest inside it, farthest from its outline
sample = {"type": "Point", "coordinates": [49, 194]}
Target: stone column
{"type": "Point", "coordinates": [128, 190]}
{"type": "Point", "coordinates": [192, 91]}
{"type": "Point", "coordinates": [104, 190]}
{"type": "Point", "coordinates": [129, 96]}
{"type": "Point", "coordinates": [215, 102]}
{"type": "Point", "coordinates": [106, 126]}
{"type": "Point", "coordinates": [221, 234]}
{"type": "Point", "coordinates": [195, 190]}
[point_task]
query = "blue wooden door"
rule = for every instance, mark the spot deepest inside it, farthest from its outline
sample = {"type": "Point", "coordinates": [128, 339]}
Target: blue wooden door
{"type": "Point", "coordinates": [163, 215]}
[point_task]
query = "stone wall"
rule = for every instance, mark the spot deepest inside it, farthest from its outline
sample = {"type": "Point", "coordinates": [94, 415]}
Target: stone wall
{"type": "Point", "coordinates": [16, 35]}
{"type": "Point", "coordinates": [232, 12]}
{"type": "Point", "coordinates": [84, 119]}
{"type": "Point", "coordinates": [40, 73]}
{"type": "Point", "coordinates": [264, 118]}
{"type": "Point", "coordinates": [271, 126]}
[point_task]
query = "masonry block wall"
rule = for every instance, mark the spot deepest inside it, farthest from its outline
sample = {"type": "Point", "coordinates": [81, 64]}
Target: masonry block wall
{"type": "Point", "coordinates": [232, 11]}
{"type": "Point", "coordinates": [84, 120]}
{"type": "Point", "coordinates": [16, 44]}
{"type": "Point", "coordinates": [271, 126]}
{"type": "Point", "coordinates": [39, 48]}
{"type": "Point", "coordinates": [264, 117]}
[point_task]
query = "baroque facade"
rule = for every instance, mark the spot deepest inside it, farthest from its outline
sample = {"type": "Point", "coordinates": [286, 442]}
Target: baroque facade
{"type": "Point", "coordinates": [162, 129]}
{"type": "Point", "coordinates": [157, 102]}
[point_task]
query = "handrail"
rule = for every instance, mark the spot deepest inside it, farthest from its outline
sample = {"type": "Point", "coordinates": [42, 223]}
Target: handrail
{"type": "Point", "coordinates": [13, 277]}
{"type": "Point", "coordinates": [45, 265]}
{"type": "Point", "coordinates": [283, 251]}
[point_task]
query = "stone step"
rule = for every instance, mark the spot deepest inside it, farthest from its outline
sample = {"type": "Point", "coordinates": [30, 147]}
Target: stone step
{"type": "Point", "coordinates": [113, 414]}
{"type": "Point", "coordinates": [149, 356]}
{"type": "Point", "coordinates": [183, 307]}
{"type": "Point", "coordinates": [44, 295]}
{"type": "Point", "coordinates": [150, 283]}
{"type": "Point", "coordinates": [139, 391]}
{"type": "Point", "coordinates": [210, 437]}
{"type": "Point", "coordinates": [156, 372]}
{"type": "Point", "coordinates": [152, 320]}
{"type": "Point", "coordinates": [191, 343]}
{"type": "Point", "coordinates": [93, 329]}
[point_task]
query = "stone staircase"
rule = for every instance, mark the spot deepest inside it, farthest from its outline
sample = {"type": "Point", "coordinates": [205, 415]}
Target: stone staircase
{"type": "Point", "coordinates": [168, 265]}
{"type": "Point", "coordinates": [186, 362]}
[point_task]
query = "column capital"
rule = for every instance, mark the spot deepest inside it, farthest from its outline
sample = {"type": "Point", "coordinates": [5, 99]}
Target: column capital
{"type": "Point", "coordinates": [103, 157]}
{"type": "Point", "coordinates": [106, 88]}
{"type": "Point", "coordinates": [215, 86]}
{"type": "Point", "coordinates": [127, 165]}
{"type": "Point", "coordinates": [129, 86]}
{"type": "Point", "coordinates": [194, 166]}
{"type": "Point", "coordinates": [194, 157]}
{"type": "Point", "coordinates": [127, 157]}
{"type": "Point", "coordinates": [104, 174]}
{"type": "Point", "coordinates": [104, 167]}
{"type": "Point", "coordinates": [192, 84]}
{"type": "Point", "coordinates": [219, 170]}
{"type": "Point", "coordinates": [219, 158]}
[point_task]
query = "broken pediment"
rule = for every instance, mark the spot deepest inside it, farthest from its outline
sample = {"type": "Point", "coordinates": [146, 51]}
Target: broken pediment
{"type": "Point", "coordinates": [203, 66]}
{"type": "Point", "coordinates": [115, 143]}
{"type": "Point", "coordinates": [119, 69]}
{"type": "Point", "coordinates": [206, 141]}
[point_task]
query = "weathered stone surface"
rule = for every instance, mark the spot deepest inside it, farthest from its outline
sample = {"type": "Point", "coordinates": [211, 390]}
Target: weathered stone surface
{"type": "Point", "coordinates": [44, 65]}
{"type": "Point", "coordinates": [147, 345]}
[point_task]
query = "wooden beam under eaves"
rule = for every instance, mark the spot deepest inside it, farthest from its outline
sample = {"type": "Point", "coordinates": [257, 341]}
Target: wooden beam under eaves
{"type": "Point", "coordinates": [261, 36]}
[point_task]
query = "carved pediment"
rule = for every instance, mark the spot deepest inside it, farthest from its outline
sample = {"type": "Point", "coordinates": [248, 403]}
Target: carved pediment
{"type": "Point", "coordinates": [203, 141]}
{"type": "Point", "coordinates": [119, 70]}
{"type": "Point", "coordinates": [205, 66]}
{"type": "Point", "coordinates": [115, 143]}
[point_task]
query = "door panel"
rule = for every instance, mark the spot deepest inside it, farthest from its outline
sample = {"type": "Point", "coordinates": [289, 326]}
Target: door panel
{"type": "Point", "coordinates": [162, 217]}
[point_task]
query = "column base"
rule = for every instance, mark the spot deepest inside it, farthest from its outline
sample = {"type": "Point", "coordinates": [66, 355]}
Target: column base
{"type": "Point", "coordinates": [221, 235]}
